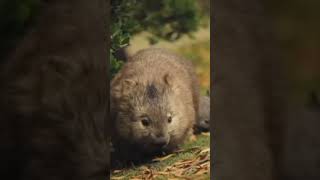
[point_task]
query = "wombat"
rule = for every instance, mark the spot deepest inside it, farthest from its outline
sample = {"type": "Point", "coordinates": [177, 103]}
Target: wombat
{"type": "Point", "coordinates": [154, 102]}
{"type": "Point", "coordinates": [203, 120]}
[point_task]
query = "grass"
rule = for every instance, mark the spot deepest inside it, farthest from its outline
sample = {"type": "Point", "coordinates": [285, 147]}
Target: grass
{"type": "Point", "coordinates": [189, 153]}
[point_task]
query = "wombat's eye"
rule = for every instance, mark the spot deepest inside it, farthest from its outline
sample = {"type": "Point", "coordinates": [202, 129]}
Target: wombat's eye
{"type": "Point", "coordinates": [169, 119]}
{"type": "Point", "coordinates": [145, 121]}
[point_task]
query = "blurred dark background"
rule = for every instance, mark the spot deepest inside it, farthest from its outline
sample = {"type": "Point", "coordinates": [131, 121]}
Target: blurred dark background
{"type": "Point", "coordinates": [266, 88]}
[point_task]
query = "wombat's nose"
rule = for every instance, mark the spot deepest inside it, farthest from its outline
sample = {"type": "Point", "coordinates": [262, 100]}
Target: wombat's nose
{"type": "Point", "coordinates": [204, 125]}
{"type": "Point", "coordinates": [161, 141]}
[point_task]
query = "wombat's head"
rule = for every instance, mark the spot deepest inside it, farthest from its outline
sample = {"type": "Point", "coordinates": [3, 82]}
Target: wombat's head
{"type": "Point", "coordinates": [203, 121]}
{"type": "Point", "coordinates": [143, 112]}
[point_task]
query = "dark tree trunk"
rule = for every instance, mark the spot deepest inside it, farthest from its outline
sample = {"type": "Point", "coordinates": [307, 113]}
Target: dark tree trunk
{"type": "Point", "coordinates": [242, 48]}
{"type": "Point", "coordinates": [54, 97]}
{"type": "Point", "coordinates": [261, 131]}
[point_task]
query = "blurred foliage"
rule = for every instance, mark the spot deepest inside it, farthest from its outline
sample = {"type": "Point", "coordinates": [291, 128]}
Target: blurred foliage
{"type": "Point", "coordinates": [15, 16]}
{"type": "Point", "coordinates": [199, 54]}
{"type": "Point", "coordinates": [297, 28]}
{"type": "Point", "coordinates": [164, 19]}
{"type": "Point", "coordinates": [205, 7]}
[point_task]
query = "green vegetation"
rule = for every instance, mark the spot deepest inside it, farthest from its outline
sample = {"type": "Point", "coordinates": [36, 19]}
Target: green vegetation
{"type": "Point", "coordinates": [165, 19]}
{"type": "Point", "coordinates": [196, 49]}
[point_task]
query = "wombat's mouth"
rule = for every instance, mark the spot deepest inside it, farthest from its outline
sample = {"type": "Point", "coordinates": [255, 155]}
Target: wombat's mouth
{"type": "Point", "coordinates": [154, 151]}
{"type": "Point", "coordinates": [200, 129]}
{"type": "Point", "coordinates": [205, 129]}
{"type": "Point", "coordinates": [204, 126]}
{"type": "Point", "coordinates": [154, 147]}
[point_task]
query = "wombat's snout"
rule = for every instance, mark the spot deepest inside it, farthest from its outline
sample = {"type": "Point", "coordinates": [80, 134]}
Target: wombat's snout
{"type": "Point", "coordinates": [205, 125]}
{"type": "Point", "coordinates": [160, 141]}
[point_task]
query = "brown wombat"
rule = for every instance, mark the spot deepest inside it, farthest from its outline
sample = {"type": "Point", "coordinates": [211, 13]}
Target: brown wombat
{"type": "Point", "coordinates": [203, 120]}
{"type": "Point", "coordinates": [154, 101]}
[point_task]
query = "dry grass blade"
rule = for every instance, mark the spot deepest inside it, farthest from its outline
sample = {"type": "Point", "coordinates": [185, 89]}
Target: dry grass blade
{"type": "Point", "coordinates": [187, 150]}
{"type": "Point", "coordinates": [206, 134]}
{"type": "Point", "coordinates": [162, 158]}
{"type": "Point", "coordinates": [204, 150]}
{"type": "Point", "coordinates": [198, 165]}
{"type": "Point", "coordinates": [117, 171]}
{"type": "Point", "coordinates": [117, 178]}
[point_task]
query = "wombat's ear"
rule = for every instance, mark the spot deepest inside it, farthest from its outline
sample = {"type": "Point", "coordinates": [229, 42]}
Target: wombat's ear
{"type": "Point", "coordinates": [127, 86]}
{"type": "Point", "coordinates": [123, 87]}
{"type": "Point", "coordinates": [128, 83]}
{"type": "Point", "coordinates": [168, 79]}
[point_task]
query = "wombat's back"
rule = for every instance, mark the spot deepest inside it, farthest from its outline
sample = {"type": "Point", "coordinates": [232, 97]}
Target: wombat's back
{"type": "Point", "coordinates": [154, 63]}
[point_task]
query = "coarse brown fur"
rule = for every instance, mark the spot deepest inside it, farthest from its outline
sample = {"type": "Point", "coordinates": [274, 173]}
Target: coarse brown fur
{"type": "Point", "coordinates": [203, 120]}
{"type": "Point", "coordinates": [158, 84]}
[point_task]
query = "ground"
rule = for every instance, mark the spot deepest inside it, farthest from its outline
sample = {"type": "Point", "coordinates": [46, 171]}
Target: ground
{"type": "Point", "coordinates": [191, 161]}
